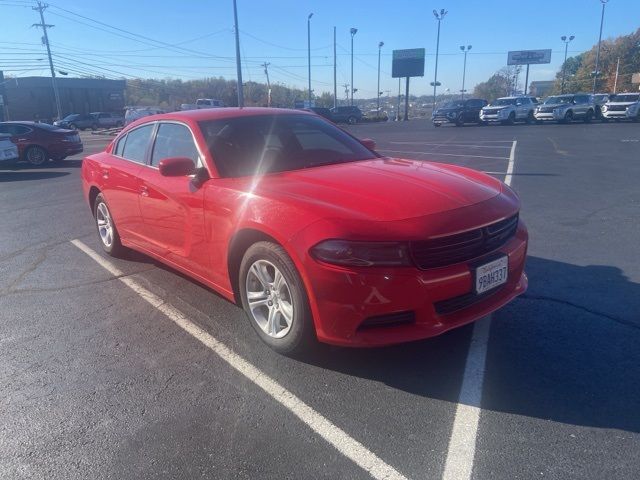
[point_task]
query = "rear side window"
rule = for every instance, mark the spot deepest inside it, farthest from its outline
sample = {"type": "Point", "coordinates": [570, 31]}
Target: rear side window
{"type": "Point", "coordinates": [173, 140]}
{"type": "Point", "coordinates": [120, 146]}
{"type": "Point", "coordinates": [135, 146]}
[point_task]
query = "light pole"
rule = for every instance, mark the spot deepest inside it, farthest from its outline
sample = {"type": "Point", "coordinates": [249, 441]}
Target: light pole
{"type": "Point", "coordinates": [380, 45]}
{"type": "Point", "coordinates": [564, 65]}
{"type": "Point", "coordinates": [595, 74]}
{"type": "Point", "coordinates": [309, 54]}
{"type": "Point", "coordinates": [238, 63]}
{"type": "Point", "coordinates": [464, 68]}
{"type": "Point", "coordinates": [353, 33]}
{"type": "Point", "coordinates": [439, 17]}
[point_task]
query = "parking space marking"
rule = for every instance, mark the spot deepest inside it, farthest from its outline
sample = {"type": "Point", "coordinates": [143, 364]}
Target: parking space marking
{"type": "Point", "coordinates": [346, 445]}
{"type": "Point", "coordinates": [462, 443]}
{"type": "Point", "coordinates": [445, 154]}
{"type": "Point", "coordinates": [471, 145]}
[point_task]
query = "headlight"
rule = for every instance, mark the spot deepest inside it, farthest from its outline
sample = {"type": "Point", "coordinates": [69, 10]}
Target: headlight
{"type": "Point", "coordinates": [604, 108]}
{"type": "Point", "coordinates": [362, 254]}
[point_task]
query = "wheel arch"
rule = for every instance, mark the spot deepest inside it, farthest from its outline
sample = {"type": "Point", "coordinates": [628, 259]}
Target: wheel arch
{"type": "Point", "coordinates": [93, 194]}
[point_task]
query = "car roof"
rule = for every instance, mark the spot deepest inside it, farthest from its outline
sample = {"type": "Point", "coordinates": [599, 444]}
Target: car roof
{"type": "Point", "coordinates": [228, 112]}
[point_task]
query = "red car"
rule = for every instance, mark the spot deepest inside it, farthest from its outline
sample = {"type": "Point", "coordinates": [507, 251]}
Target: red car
{"type": "Point", "coordinates": [310, 230]}
{"type": "Point", "coordinates": [40, 142]}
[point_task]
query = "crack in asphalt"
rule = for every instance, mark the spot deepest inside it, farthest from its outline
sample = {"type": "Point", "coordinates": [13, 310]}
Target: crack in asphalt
{"type": "Point", "coordinates": [621, 321]}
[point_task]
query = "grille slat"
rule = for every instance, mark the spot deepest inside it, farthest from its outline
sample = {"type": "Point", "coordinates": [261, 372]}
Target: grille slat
{"type": "Point", "coordinates": [464, 246]}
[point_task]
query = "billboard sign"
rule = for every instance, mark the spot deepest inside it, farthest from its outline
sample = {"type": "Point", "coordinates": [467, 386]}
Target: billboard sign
{"type": "Point", "coordinates": [529, 57]}
{"type": "Point", "coordinates": [408, 63]}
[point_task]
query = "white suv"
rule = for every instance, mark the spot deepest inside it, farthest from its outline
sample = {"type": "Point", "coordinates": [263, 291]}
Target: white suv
{"type": "Point", "coordinates": [508, 110]}
{"type": "Point", "coordinates": [8, 149]}
{"type": "Point", "coordinates": [622, 106]}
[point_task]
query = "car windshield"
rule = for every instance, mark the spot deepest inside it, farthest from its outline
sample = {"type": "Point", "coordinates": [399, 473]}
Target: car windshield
{"type": "Point", "coordinates": [503, 102]}
{"type": "Point", "coordinates": [559, 99]}
{"type": "Point", "coordinates": [261, 144]}
{"type": "Point", "coordinates": [73, 116]}
{"type": "Point", "coordinates": [627, 97]}
{"type": "Point", "coordinates": [452, 105]}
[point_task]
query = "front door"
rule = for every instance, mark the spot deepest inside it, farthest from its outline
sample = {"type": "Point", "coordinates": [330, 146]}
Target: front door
{"type": "Point", "coordinates": [172, 207]}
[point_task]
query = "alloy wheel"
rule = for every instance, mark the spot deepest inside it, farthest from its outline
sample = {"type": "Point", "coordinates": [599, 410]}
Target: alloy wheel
{"type": "Point", "coordinates": [269, 298]}
{"type": "Point", "coordinates": [105, 225]}
{"type": "Point", "coordinates": [36, 156]}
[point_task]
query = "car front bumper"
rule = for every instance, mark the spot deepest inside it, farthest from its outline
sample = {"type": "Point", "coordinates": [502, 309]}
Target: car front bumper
{"type": "Point", "coordinates": [345, 300]}
{"type": "Point", "coordinates": [547, 116]}
{"type": "Point", "coordinates": [617, 114]}
{"type": "Point", "coordinates": [440, 119]}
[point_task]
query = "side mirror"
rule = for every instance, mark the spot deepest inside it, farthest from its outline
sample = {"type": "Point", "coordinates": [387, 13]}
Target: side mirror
{"type": "Point", "coordinates": [369, 143]}
{"type": "Point", "coordinates": [176, 167]}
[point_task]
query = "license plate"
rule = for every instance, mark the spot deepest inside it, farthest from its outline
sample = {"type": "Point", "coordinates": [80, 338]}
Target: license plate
{"type": "Point", "coordinates": [492, 274]}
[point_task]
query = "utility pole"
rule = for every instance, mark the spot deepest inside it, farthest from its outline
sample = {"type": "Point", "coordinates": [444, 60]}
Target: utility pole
{"type": "Point", "coordinates": [309, 54]}
{"type": "Point", "coordinates": [353, 32]}
{"type": "Point", "coordinates": [615, 83]}
{"type": "Point", "coordinates": [238, 64]}
{"type": "Point", "coordinates": [439, 17]}
{"type": "Point", "coordinates": [596, 73]}
{"type": "Point", "coordinates": [41, 8]}
{"type": "Point", "coordinates": [335, 65]}
{"type": "Point", "coordinates": [464, 68]}
{"type": "Point", "coordinates": [346, 91]}
{"type": "Point", "coordinates": [266, 72]}
{"type": "Point", "coordinates": [564, 65]}
{"type": "Point", "coordinates": [380, 45]}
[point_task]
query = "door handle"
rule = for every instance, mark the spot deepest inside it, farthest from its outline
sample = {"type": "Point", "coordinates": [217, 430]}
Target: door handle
{"type": "Point", "coordinates": [144, 191]}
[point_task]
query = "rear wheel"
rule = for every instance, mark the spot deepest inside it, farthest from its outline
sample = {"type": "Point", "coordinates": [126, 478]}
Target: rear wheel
{"type": "Point", "coordinates": [107, 231]}
{"type": "Point", "coordinates": [36, 156]}
{"type": "Point", "coordinates": [274, 298]}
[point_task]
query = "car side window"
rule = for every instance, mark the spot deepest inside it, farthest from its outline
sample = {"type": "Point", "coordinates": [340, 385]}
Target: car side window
{"type": "Point", "coordinates": [120, 146]}
{"type": "Point", "coordinates": [135, 147]}
{"type": "Point", "coordinates": [4, 129]}
{"type": "Point", "coordinates": [174, 140]}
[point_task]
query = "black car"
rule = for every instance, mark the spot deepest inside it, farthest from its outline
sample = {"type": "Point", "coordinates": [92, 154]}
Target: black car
{"type": "Point", "coordinates": [323, 112]}
{"type": "Point", "coordinates": [77, 121]}
{"type": "Point", "coordinates": [459, 112]}
{"type": "Point", "coordinates": [350, 115]}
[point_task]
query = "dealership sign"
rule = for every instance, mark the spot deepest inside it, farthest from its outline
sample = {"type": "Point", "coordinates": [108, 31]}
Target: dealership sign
{"type": "Point", "coordinates": [529, 57]}
{"type": "Point", "coordinates": [408, 63]}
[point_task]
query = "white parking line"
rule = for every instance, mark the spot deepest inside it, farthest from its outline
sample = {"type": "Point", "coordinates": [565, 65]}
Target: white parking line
{"type": "Point", "coordinates": [471, 145]}
{"type": "Point", "coordinates": [462, 443]}
{"type": "Point", "coordinates": [444, 154]}
{"type": "Point", "coordinates": [345, 444]}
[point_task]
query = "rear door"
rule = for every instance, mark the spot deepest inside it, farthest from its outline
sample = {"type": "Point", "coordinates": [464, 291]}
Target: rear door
{"type": "Point", "coordinates": [172, 207]}
{"type": "Point", "coordinates": [120, 183]}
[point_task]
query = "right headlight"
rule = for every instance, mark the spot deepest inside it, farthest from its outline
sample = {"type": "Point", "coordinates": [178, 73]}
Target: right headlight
{"type": "Point", "coordinates": [604, 108]}
{"type": "Point", "coordinates": [362, 254]}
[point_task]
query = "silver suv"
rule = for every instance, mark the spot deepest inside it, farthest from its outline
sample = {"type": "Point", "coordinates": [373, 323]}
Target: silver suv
{"type": "Point", "coordinates": [508, 110]}
{"type": "Point", "coordinates": [622, 106]}
{"type": "Point", "coordinates": [566, 108]}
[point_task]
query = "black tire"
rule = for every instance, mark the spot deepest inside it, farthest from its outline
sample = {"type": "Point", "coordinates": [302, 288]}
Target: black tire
{"type": "Point", "coordinates": [459, 121]}
{"type": "Point", "coordinates": [604, 120]}
{"type": "Point", "coordinates": [301, 335]}
{"type": "Point", "coordinates": [568, 117]}
{"type": "Point", "coordinates": [588, 116]}
{"type": "Point", "coordinates": [352, 120]}
{"type": "Point", "coordinates": [36, 156]}
{"type": "Point", "coordinates": [530, 118]}
{"type": "Point", "coordinates": [94, 126]}
{"type": "Point", "coordinates": [73, 126]}
{"type": "Point", "coordinates": [512, 118]}
{"type": "Point", "coordinates": [437, 124]}
{"type": "Point", "coordinates": [115, 248]}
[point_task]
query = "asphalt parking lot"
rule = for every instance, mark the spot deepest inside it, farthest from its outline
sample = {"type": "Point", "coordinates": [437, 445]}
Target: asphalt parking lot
{"type": "Point", "coordinates": [98, 383]}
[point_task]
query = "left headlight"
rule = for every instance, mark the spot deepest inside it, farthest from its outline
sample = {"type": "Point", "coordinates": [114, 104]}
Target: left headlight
{"type": "Point", "coordinates": [362, 254]}
{"type": "Point", "coordinates": [604, 108]}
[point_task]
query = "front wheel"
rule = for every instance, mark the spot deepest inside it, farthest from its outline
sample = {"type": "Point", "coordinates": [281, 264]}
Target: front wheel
{"type": "Point", "coordinates": [568, 117]}
{"type": "Point", "coordinates": [530, 118]}
{"type": "Point", "coordinates": [73, 126]}
{"type": "Point", "coordinates": [459, 121]}
{"type": "Point", "coordinates": [352, 120]}
{"type": "Point", "coordinates": [588, 117]}
{"type": "Point", "coordinates": [107, 231]}
{"type": "Point", "coordinates": [512, 118]}
{"type": "Point", "coordinates": [274, 299]}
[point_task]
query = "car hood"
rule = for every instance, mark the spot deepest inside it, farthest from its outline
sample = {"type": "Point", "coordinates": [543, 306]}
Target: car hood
{"type": "Point", "coordinates": [447, 110]}
{"type": "Point", "coordinates": [624, 104]}
{"type": "Point", "coordinates": [382, 189]}
{"type": "Point", "coordinates": [555, 105]}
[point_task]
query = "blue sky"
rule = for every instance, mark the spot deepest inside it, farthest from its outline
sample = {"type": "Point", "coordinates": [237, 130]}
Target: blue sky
{"type": "Point", "coordinates": [275, 31]}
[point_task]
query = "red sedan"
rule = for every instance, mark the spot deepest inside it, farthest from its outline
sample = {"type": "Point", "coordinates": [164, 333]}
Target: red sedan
{"type": "Point", "coordinates": [310, 230]}
{"type": "Point", "coordinates": [40, 142]}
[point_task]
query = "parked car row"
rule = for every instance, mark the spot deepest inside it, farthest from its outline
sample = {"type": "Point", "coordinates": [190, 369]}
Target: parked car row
{"type": "Point", "coordinates": [95, 120]}
{"type": "Point", "coordinates": [37, 143]}
{"type": "Point", "coordinates": [350, 115]}
{"type": "Point", "coordinates": [556, 108]}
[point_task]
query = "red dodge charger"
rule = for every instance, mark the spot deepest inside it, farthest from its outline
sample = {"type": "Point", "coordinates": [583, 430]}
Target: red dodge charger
{"type": "Point", "coordinates": [315, 234]}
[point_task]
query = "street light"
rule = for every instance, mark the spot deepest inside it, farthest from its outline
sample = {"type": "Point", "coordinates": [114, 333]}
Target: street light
{"type": "Point", "coordinates": [309, 53]}
{"type": "Point", "coordinates": [439, 17]}
{"type": "Point", "coordinates": [564, 65]}
{"type": "Point", "coordinates": [380, 45]}
{"type": "Point", "coordinates": [596, 73]}
{"type": "Point", "coordinates": [353, 33]}
{"type": "Point", "coordinates": [464, 69]}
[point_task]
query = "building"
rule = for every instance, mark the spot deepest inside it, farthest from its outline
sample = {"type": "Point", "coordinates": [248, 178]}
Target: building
{"type": "Point", "coordinates": [541, 88]}
{"type": "Point", "coordinates": [29, 98]}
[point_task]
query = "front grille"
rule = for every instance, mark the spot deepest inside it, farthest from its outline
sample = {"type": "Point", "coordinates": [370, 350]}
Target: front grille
{"type": "Point", "coordinates": [545, 109]}
{"type": "Point", "coordinates": [463, 247]}
{"type": "Point", "coordinates": [390, 320]}
{"type": "Point", "coordinates": [617, 108]}
{"type": "Point", "coordinates": [460, 302]}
